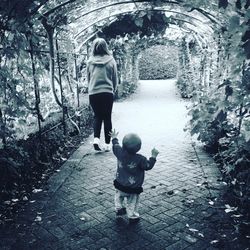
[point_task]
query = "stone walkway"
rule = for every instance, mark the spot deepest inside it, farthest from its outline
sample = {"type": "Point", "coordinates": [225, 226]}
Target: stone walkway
{"type": "Point", "coordinates": [75, 210]}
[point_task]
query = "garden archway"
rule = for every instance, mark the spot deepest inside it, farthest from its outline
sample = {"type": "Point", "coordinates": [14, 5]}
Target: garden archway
{"type": "Point", "coordinates": [45, 40]}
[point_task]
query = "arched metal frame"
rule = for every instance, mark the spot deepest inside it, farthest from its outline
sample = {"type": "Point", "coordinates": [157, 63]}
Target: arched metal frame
{"type": "Point", "coordinates": [76, 7]}
{"type": "Point", "coordinates": [195, 20]}
{"type": "Point", "coordinates": [127, 12]}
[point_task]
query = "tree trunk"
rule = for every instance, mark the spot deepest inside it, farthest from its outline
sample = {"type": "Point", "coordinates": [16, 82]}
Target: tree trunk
{"type": "Point", "coordinates": [50, 32]}
{"type": "Point", "coordinates": [36, 87]}
{"type": "Point", "coordinates": [61, 89]}
{"type": "Point", "coordinates": [77, 90]}
{"type": "Point", "coordinates": [2, 128]}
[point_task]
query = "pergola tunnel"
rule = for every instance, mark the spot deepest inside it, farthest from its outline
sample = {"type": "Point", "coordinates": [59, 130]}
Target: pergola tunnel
{"type": "Point", "coordinates": [44, 49]}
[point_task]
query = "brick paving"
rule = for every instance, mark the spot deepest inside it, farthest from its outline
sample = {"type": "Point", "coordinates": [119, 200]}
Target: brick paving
{"type": "Point", "coordinates": [75, 209]}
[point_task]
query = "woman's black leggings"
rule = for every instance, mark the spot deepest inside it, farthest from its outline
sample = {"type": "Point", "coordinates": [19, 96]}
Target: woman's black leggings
{"type": "Point", "coordinates": [102, 104]}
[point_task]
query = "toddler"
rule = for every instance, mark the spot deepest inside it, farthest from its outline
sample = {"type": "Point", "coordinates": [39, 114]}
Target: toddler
{"type": "Point", "coordinates": [130, 174]}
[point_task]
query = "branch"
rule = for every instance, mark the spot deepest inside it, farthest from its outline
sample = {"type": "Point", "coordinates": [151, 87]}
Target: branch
{"type": "Point", "coordinates": [211, 17]}
{"type": "Point", "coordinates": [50, 32]}
{"type": "Point", "coordinates": [25, 103]}
{"type": "Point", "coordinates": [74, 124]}
{"type": "Point", "coordinates": [57, 7]}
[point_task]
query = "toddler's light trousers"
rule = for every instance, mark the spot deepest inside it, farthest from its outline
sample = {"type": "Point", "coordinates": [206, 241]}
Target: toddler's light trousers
{"type": "Point", "coordinates": [128, 201]}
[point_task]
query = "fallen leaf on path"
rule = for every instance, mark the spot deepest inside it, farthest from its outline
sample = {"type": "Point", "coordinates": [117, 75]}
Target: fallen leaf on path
{"type": "Point", "coordinates": [211, 202]}
{"type": "Point", "coordinates": [214, 242]}
{"type": "Point", "coordinates": [37, 190]}
{"type": "Point", "coordinates": [230, 209]}
{"type": "Point", "coordinates": [38, 218]}
{"type": "Point", "coordinates": [190, 239]}
{"type": "Point", "coordinates": [236, 215]}
{"type": "Point", "coordinates": [32, 241]}
{"type": "Point", "coordinates": [234, 181]}
{"type": "Point", "coordinates": [189, 201]}
{"type": "Point", "coordinates": [201, 235]}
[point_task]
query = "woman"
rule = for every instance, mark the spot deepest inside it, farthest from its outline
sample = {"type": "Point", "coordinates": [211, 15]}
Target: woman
{"type": "Point", "coordinates": [102, 82]}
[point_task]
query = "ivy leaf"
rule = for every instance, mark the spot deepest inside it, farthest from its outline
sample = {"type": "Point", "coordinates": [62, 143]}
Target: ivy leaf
{"type": "Point", "coordinates": [234, 22]}
{"type": "Point", "coordinates": [247, 135]}
{"type": "Point", "coordinates": [228, 90]}
{"type": "Point", "coordinates": [246, 47]}
{"type": "Point", "coordinates": [246, 36]}
{"type": "Point", "coordinates": [230, 209]}
{"type": "Point", "coordinates": [247, 4]}
{"type": "Point", "coordinates": [139, 22]}
{"type": "Point", "coordinates": [22, 121]}
{"type": "Point", "coordinates": [149, 15]}
{"type": "Point", "coordinates": [223, 4]}
{"type": "Point", "coordinates": [238, 4]}
{"type": "Point", "coordinates": [142, 14]}
{"type": "Point", "coordinates": [221, 116]}
{"type": "Point", "coordinates": [225, 82]}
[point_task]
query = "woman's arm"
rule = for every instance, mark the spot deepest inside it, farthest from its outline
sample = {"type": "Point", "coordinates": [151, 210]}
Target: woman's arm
{"type": "Point", "coordinates": [115, 76]}
{"type": "Point", "coordinates": [88, 73]}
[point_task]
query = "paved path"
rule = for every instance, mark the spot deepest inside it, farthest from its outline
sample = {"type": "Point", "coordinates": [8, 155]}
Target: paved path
{"type": "Point", "coordinates": [75, 210]}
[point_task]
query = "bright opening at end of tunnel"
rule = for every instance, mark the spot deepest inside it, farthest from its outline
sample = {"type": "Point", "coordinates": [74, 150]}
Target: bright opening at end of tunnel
{"type": "Point", "coordinates": [156, 112]}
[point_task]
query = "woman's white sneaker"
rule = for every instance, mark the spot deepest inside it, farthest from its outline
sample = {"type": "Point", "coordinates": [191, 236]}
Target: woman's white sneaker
{"type": "Point", "coordinates": [96, 144]}
{"type": "Point", "coordinates": [107, 147]}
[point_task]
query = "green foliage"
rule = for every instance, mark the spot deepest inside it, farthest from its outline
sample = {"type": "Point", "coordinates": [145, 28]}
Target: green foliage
{"type": "Point", "coordinates": [158, 62]}
{"type": "Point", "coordinates": [144, 22]}
{"type": "Point", "coordinates": [216, 76]}
{"type": "Point", "coordinates": [18, 95]}
{"type": "Point", "coordinates": [189, 57]}
{"type": "Point", "coordinates": [220, 117]}
{"type": "Point", "coordinates": [124, 53]}
{"type": "Point", "coordinates": [223, 4]}
{"type": "Point", "coordinates": [23, 162]}
{"type": "Point", "coordinates": [220, 114]}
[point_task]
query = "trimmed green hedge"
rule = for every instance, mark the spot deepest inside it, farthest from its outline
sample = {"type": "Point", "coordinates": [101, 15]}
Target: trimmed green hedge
{"type": "Point", "coordinates": [158, 62]}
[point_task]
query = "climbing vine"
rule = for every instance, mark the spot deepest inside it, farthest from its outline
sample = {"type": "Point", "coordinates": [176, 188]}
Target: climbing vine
{"type": "Point", "coordinates": [220, 113]}
{"type": "Point", "coordinates": [42, 72]}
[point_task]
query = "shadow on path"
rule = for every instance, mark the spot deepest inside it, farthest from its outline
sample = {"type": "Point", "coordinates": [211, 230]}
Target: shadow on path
{"type": "Point", "coordinates": [76, 211]}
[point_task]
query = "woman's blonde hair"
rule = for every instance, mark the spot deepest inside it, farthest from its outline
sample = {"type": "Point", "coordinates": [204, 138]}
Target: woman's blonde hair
{"type": "Point", "coordinates": [100, 47]}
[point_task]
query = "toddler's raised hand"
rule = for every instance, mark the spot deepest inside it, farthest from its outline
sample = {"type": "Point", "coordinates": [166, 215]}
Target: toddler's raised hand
{"type": "Point", "coordinates": [113, 134]}
{"type": "Point", "coordinates": [154, 152]}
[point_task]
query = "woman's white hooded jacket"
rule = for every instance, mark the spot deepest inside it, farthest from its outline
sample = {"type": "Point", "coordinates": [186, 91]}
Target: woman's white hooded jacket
{"type": "Point", "coordinates": [101, 74]}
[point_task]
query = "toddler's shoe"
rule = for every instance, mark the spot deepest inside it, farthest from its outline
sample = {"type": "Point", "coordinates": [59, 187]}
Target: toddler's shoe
{"type": "Point", "coordinates": [134, 220]}
{"type": "Point", "coordinates": [121, 211]}
{"type": "Point", "coordinates": [96, 144]}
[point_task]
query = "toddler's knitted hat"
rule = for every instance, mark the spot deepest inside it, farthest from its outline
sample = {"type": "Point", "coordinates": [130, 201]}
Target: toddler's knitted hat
{"type": "Point", "coordinates": [132, 143]}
